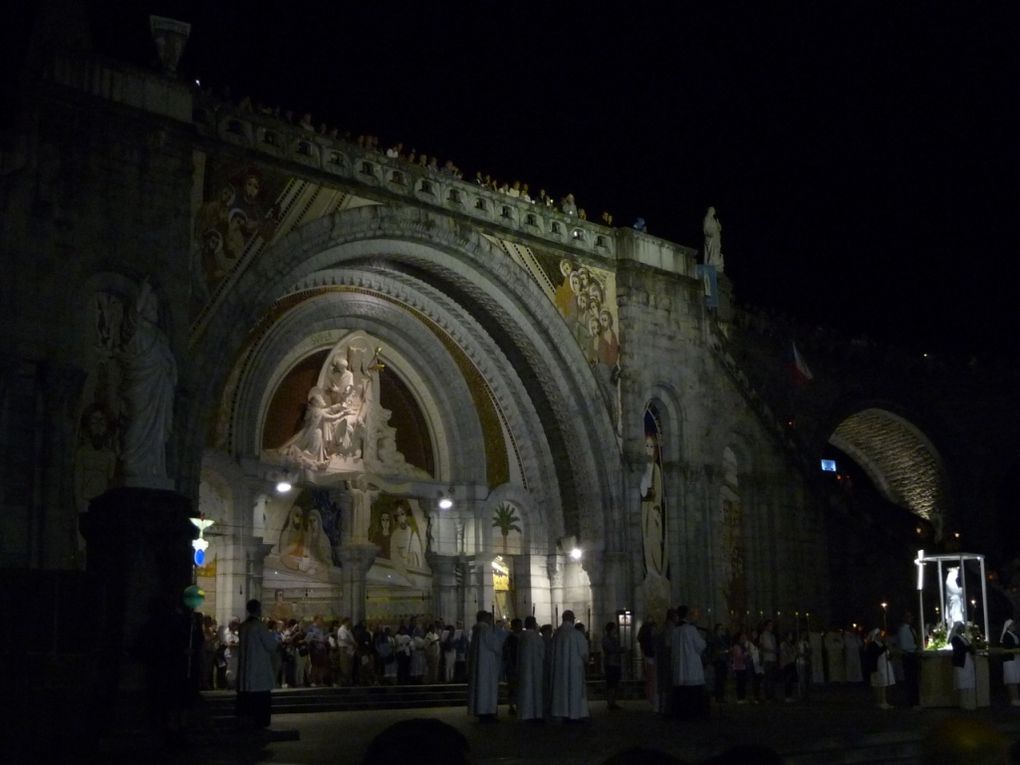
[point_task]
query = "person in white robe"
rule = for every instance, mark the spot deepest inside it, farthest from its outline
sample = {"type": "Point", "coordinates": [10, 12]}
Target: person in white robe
{"type": "Point", "coordinates": [852, 656]}
{"type": "Point", "coordinates": [1010, 642]}
{"type": "Point", "coordinates": [817, 665]}
{"type": "Point", "coordinates": [964, 674]}
{"type": "Point", "coordinates": [255, 679]}
{"type": "Point", "coordinates": [835, 656]}
{"type": "Point", "coordinates": [687, 645]}
{"type": "Point", "coordinates": [484, 663]}
{"type": "Point", "coordinates": [530, 661]}
{"type": "Point", "coordinates": [569, 659]}
{"type": "Point", "coordinates": [664, 664]}
{"type": "Point", "coordinates": [879, 666]}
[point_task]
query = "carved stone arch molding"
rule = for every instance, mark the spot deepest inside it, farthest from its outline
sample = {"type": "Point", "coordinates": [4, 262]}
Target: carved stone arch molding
{"type": "Point", "coordinates": [324, 318]}
{"type": "Point", "coordinates": [664, 398]}
{"type": "Point", "coordinates": [456, 261]}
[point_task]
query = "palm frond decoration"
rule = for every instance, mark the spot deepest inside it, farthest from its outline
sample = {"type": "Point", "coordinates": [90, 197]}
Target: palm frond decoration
{"type": "Point", "coordinates": [506, 520]}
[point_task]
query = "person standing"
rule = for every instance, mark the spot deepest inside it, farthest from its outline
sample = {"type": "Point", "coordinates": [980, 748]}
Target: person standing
{"type": "Point", "coordinates": [852, 647]}
{"type": "Point", "coordinates": [530, 662]}
{"type": "Point", "coordinates": [835, 654]}
{"type": "Point", "coordinates": [906, 637]}
{"type": "Point", "coordinates": [664, 664]}
{"type": "Point", "coordinates": [770, 658]}
{"type": "Point", "coordinates": [483, 669]}
{"type": "Point", "coordinates": [803, 667]}
{"type": "Point", "coordinates": [510, 645]}
{"type": "Point", "coordinates": [688, 669]}
{"type": "Point", "coordinates": [719, 651]}
{"type": "Point", "coordinates": [1010, 641]}
{"type": "Point", "coordinates": [612, 659]}
{"type": "Point", "coordinates": [740, 661]}
{"type": "Point", "coordinates": [788, 665]}
{"type": "Point", "coordinates": [646, 642]}
{"type": "Point", "coordinates": [255, 647]}
{"type": "Point", "coordinates": [964, 675]}
{"type": "Point", "coordinates": [878, 667]}
{"type": "Point", "coordinates": [569, 657]}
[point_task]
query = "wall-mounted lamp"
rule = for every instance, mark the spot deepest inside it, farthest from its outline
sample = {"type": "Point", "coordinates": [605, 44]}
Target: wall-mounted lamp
{"type": "Point", "coordinates": [570, 546]}
{"type": "Point", "coordinates": [445, 501]}
{"type": "Point", "coordinates": [201, 544]}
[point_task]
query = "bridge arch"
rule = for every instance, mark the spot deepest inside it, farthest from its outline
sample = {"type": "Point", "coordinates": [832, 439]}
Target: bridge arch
{"type": "Point", "coordinates": [899, 458]}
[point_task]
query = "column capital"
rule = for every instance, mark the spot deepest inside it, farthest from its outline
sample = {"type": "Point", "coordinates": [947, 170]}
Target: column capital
{"type": "Point", "coordinates": [442, 564]}
{"type": "Point", "coordinates": [357, 557]}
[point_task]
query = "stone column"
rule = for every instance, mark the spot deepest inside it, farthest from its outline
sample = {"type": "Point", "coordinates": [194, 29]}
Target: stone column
{"type": "Point", "coordinates": [139, 546]}
{"type": "Point", "coordinates": [554, 565]}
{"type": "Point", "coordinates": [444, 586]}
{"type": "Point", "coordinates": [231, 576]}
{"type": "Point", "coordinates": [355, 561]}
{"type": "Point", "coordinates": [255, 563]}
{"type": "Point", "coordinates": [481, 582]}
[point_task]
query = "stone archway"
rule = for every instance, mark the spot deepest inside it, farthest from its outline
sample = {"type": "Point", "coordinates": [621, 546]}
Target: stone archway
{"type": "Point", "coordinates": [430, 289]}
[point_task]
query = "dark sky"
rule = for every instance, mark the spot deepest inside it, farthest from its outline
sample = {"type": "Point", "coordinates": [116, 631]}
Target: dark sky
{"type": "Point", "coordinates": [863, 157]}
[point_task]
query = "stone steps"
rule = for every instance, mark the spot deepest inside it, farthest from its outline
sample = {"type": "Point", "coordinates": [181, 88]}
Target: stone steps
{"type": "Point", "coordinates": [337, 699]}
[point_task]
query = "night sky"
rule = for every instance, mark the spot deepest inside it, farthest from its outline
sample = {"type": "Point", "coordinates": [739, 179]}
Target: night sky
{"type": "Point", "coordinates": [863, 158]}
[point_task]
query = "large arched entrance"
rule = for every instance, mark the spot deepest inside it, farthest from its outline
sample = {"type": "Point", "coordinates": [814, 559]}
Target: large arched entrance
{"type": "Point", "coordinates": [383, 360]}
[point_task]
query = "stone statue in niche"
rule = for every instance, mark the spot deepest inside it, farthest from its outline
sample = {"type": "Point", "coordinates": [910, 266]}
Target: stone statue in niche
{"type": "Point", "coordinates": [149, 378]}
{"type": "Point", "coordinates": [652, 520]}
{"type": "Point", "coordinates": [346, 429]}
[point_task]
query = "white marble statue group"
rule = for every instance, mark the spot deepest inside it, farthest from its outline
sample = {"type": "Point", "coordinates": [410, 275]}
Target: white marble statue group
{"type": "Point", "coordinates": [335, 416]}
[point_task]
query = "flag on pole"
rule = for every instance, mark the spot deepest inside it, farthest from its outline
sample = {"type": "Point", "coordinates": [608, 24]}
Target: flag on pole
{"type": "Point", "coordinates": [798, 367]}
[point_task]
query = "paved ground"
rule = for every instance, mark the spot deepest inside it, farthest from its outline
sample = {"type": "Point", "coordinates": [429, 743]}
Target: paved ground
{"type": "Point", "coordinates": [838, 725]}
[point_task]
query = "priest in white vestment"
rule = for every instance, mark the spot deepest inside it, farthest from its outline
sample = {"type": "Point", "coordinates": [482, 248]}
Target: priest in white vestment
{"type": "Point", "coordinates": [569, 659]}
{"type": "Point", "coordinates": [835, 655]}
{"type": "Point", "coordinates": [530, 660]}
{"type": "Point", "coordinates": [484, 663]}
{"type": "Point", "coordinates": [817, 664]}
{"type": "Point", "coordinates": [687, 645]}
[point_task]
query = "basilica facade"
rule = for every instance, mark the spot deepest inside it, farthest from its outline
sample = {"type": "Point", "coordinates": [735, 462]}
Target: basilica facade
{"type": "Point", "coordinates": [393, 392]}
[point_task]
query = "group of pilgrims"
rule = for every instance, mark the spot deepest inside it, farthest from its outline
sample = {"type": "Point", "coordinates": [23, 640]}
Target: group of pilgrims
{"type": "Point", "coordinates": [685, 666]}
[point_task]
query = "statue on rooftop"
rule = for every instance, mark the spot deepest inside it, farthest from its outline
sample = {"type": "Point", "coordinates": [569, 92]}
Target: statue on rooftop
{"type": "Point", "coordinates": [712, 229]}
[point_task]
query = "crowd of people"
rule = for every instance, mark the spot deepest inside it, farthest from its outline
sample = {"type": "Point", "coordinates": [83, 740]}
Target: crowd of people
{"type": "Point", "coordinates": [313, 653]}
{"type": "Point", "coordinates": [426, 163]}
{"type": "Point", "coordinates": [685, 667]}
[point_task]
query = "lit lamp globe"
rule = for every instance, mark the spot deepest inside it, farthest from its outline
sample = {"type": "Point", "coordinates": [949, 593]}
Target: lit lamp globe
{"type": "Point", "coordinates": [194, 596]}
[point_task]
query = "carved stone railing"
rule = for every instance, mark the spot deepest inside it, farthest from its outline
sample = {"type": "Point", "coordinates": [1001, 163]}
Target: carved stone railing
{"type": "Point", "coordinates": [368, 171]}
{"type": "Point", "coordinates": [394, 177]}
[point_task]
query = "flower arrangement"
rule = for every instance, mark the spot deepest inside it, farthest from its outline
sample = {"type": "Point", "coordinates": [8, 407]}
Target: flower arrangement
{"type": "Point", "coordinates": [938, 638]}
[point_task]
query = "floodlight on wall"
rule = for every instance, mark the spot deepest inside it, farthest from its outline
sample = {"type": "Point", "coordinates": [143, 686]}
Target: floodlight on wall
{"type": "Point", "coordinates": [283, 481]}
{"type": "Point", "coordinates": [569, 546]}
{"type": "Point", "coordinates": [445, 501]}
